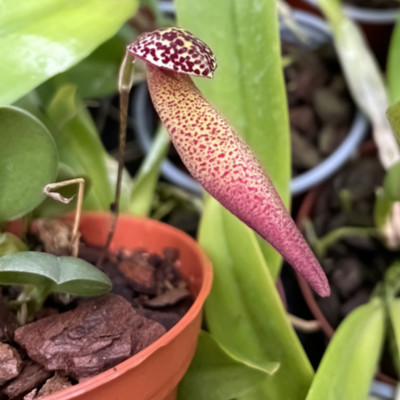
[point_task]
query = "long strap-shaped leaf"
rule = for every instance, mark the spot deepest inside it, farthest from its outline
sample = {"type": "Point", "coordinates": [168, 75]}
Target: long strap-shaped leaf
{"type": "Point", "coordinates": [244, 311]}
{"type": "Point", "coordinates": [248, 87]}
{"type": "Point", "coordinates": [40, 39]}
{"type": "Point", "coordinates": [214, 366]}
{"type": "Point", "coordinates": [393, 65]}
{"type": "Point", "coordinates": [351, 359]}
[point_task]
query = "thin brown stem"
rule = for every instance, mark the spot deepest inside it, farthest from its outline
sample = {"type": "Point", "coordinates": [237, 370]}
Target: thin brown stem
{"type": "Point", "coordinates": [125, 83]}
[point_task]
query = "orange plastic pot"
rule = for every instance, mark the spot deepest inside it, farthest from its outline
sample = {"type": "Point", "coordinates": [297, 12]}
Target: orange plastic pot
{"type": "Point", "coordinates": [154, 373]}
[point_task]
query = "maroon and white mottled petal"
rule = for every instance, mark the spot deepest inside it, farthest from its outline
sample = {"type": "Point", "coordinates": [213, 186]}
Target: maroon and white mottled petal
{"type": "Point", "coordinates": [175, 49]}
{"type": "Point", "coordinates": [226, 168]}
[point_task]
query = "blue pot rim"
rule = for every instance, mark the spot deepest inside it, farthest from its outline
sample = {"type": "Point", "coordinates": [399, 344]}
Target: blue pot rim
{"type": "Point", "coordinates": [373, 16]}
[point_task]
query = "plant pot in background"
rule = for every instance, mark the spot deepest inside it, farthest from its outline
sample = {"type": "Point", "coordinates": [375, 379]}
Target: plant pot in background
{"type": "Point", "coordinates": [377, 24]}
{"type": "Point", "coordinates": [317, 33]}
{"type": "Point", "coordinates": [384, 386]}
{"type": "Point", "coordinates": [155, 372]}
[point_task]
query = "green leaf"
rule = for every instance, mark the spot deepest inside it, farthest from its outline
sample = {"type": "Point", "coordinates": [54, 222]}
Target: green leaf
{"type": "Point", "coordinates": [43, 38]}
{"type": "Point", "coordinates": [392, 281]}
{"type": "Point", "coordinates": [53, 274]}
{"type": "Point", "coordinates": [248, 86]}
{"type": "Point", "coordinates": [80, 146]}
{"type": "Point", "coordinates": [332, 9]}
{"type": "Point", "coordinates": [393, 65]}
{"type": "Point", "coordinates": [96, 76]}
{"type": "Point", "coordinates": [391, 183]}
{"type": "Point", "coordinates": [350, 361]}
{"type": "Point", "coordinates": [9, 244]}
{"type": "Point", "coordinates": [146, 178]}
{"type": "Point", "coordinates": [28, 162]}
{"type": "Point", "coordinates": [126, 184]}
{"type": "Point", "coordinates": [394, 332]}
{"type": "Point", "coordinates": [385, 202]}
{"type": "Point", "coordinates": [244, 311]}
{"type": "Point", "coordinates": [382, 208]}
{"type": "Point", "coordinates": [217, 374]}
{"type": "Point", "coordinates": [393, 115]}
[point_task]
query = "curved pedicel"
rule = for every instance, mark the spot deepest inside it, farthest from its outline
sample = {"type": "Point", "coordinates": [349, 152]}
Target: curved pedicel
{"type": "Point", "coordinates": [212, 151]}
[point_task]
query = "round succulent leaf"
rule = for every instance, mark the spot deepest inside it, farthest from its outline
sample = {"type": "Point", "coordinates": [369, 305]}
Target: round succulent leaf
{"type": "Point", "coordinates": [53, 274]}
{"type": "Point", "coordinates": [80, 278]}
{"type": "Point", "coordinates": [28, 161]}
{"type": "Point", "coordinates": [175, 49]}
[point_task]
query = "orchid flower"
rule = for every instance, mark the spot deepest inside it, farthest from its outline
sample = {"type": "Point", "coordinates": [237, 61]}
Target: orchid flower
{"type": "Point", "coordinates": [214, 154]}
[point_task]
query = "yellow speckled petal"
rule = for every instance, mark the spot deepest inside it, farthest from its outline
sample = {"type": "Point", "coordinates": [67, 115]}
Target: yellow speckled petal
{"type": "Point", "coordinates": [226, 168]}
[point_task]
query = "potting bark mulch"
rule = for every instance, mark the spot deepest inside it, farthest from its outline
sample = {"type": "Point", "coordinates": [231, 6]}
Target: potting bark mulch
{"type": "Point", "coordinates": [72, 339]}
{"type": "Point", "coordinates": [320, 107]}
{"type": "Point", "coordinates": [354, 265]}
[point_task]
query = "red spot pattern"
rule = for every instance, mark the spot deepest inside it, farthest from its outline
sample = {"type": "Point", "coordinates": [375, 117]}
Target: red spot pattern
{"type": "Point", "coordinates": [175, 49]}
{"type": "Point", "coordinates": [226, 168]}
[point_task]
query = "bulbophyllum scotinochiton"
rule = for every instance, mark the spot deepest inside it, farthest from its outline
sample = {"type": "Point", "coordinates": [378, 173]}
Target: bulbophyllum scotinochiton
{"type": "Point", "coordinates": [215, 155]}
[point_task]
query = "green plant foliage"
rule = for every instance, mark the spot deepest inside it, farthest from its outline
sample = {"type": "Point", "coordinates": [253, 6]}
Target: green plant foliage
{"type": "Point", "coordinates": [146, 178]}
{"type": "Point", "coordinates": [393, 115]}
{"type": "Point", "coordinates": [9, 244]}
{"type": "Point", "coordinates": [389, 291]}
{"type": "Point", "coordinates": [392, 281]}
{"type": "Point", "coordinates": [382, 208]}
{"type": "Point", "coordinates": [387, 196]}
{"type": "Point", "coordinates": [394, 332]}
{"type": "Point", "coordinates": [51, 274]}
{"type": "Point", "coordinates": [393, 65]}
{"type": "Point", "coordinates": [391, 183]}
{"type": "Point", "coordinates": [351, 359]}
{"type": "Point", "coordinates": [96, 76]}
{"type": "Point", "coordinates": [244, 311]}
{"type": "Point", "coordinates": [43, 38]}
{"type": "Point", "coordinates": [248, 86]}
{"type": "Point", "coordinates": [28, 161]}
{"type": "Point", "coordinates": [217, 374]}
{"type": "Point", "coordinates": [81, 149]}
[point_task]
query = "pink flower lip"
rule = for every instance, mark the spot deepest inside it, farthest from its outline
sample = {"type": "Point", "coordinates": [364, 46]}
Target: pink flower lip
{"type": "Point", "coordinates": [214, 154]}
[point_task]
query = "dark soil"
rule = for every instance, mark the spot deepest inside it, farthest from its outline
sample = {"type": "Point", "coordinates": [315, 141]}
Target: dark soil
{"type": "Point", "coordinates": [320, 108]}
{"type": "Point", "coordinates": [374, 4]}
{"type": "Point", "coordinates": [353, 265]}
{"type": "Point", "coordinates": [71, 340]}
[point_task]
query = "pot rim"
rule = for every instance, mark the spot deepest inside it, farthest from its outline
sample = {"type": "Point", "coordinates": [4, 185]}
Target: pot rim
{"type": "Point", "coordinates": [132, 362]}
{"type": "Point", "coordinates": [373, 16]}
